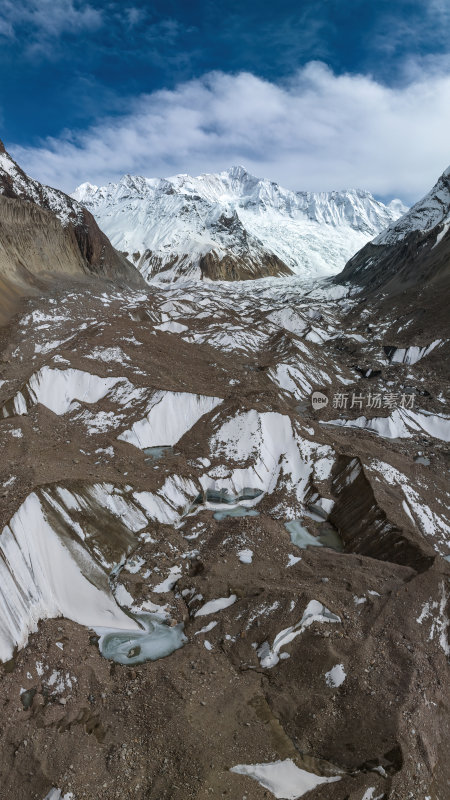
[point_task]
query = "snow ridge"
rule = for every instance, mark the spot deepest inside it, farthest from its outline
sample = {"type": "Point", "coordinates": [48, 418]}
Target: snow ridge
{"type": "Point", "coordinates": [167, 225]}
{"type": "Point", "coordinates": [67, 209]}
{"type": "Point", "coordinates": [433, 210]}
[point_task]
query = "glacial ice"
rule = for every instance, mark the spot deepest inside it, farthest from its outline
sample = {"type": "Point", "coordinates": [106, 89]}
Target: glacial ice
{"type": "Point", "coordinates": [274, 449]}
{"type": "Point", "coordinates": [283, 778]}
{"type": "Point", "coordinates": [58, 390]}
{"type": "Point", "coordinates": [156, 639]}
{"type": "Point", "coordinates": [236, 511]}
{"type": "Point", "coordinates": [169, 416]}
{"type": "Point", "coordinates": [401, 424]}
{"type": "Point", "coordinates": [411, 355]}
{"type": "Point", "coordinates": [300, 536]}
{"type": "Point", "coordinates": [44, 574]}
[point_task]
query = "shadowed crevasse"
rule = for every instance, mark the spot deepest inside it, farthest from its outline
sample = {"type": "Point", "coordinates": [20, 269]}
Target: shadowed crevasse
{"type": "Point", "coordinates": [363, 524]}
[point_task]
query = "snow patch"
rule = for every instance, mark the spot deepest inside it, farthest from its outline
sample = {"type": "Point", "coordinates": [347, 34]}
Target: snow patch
{"type": "Point", "coordinates": [283, 778]}
{"type": "Point", "coordinates": [335, 676]}
{"type": "Point", "coordinates": [212, 606]}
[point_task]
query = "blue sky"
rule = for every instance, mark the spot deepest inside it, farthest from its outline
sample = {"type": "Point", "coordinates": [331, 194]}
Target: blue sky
{"type": "Point", "coordinates": [96, 89]}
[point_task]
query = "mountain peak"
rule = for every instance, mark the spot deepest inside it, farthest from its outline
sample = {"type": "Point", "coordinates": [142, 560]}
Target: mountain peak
{"type": "Point", "coordinates": [412, 252]}
{"type": "Point", "coordinates": [87, 187]}
{"type": "Point", "coordinates": [172, 225]}
{"type": "Point", "coordinates": [237, 171]}
{"type": "Point", "coordinates": [426, 214]}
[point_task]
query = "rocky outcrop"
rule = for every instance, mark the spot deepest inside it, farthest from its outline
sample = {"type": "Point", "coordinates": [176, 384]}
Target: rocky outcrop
{"type": "Point", "coordinates": [412, 252]}
{"type": "Point", "coordinates": [416, 260]}
{"type": "Point", "coordinates": [230, 268]}
{"type": "Point", "coordinates": [34, 246]}
{"type": "Point", "coordinates": [364, 526]}
{"type": "Point", "coordinates": [44, 234]}
{"type": "Point", "coordinates": [212, 266]}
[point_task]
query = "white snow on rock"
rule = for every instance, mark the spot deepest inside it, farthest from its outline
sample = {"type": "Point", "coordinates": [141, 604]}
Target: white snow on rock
{"type": "Point", "coordinates": [56, 794]}
{"type": "Point", "coordinates": [274, 450]}
{"type": "Point", "coordinates": [65, 208]}
{"type": "Point", "coordinates": [58, 390]}
{"type": "Point", "coordinates": [434, 612]}
{"type": "Point", "coordinates": [335, 676]}
{"type": "Point", "coordinates": [171, 327]}
{"type": "Point", "coordinates": [207, 628]}
{"type": "Point", "coordinates": [245, 556]}
{"type": "Point", "coordinates": [108, 355]}
{"type": "Point", "coordinates": [428, 213]}
{"type": "Point", "coordinates": [314, 612]}
{"type": "Point", "coordinates": [369, 794]}
{"type": "Point", "coordinates": [44, 575]}
{"type": "Point", "coordinates": [212, 606]}
{"type": "Point", "coordinates": [290, 319]}
{"type": "Point", "coordinates": [401, 424]}
{"type": "Point", "coordinates": [169, 417]}
{"type": "Point", "coordinates": [170, 502]}
{"type": "Point", "coordinates": [431, 524]}
{"type": "Point", "coordinates": [299, 379]}
{"type": "Point", "coordinates": [283, 778]}
{"type": "Point", "coordinates": [411, 355]}
{"type": "Point", "coordinates": [168, 584]}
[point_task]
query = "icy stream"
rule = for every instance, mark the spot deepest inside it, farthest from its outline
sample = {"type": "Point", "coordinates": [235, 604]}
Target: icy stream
{"type": "Point", "coordinates": [225, 504]}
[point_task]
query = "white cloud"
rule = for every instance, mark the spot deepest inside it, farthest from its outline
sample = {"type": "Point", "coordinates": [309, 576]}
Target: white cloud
{"type": "Point", "coordinates": [49, 18]}
{"type": "Point", "coordinates": [318, 131]}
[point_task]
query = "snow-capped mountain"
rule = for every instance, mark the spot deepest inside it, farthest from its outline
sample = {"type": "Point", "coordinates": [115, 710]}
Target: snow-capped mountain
{"type": "Point", "coordinates": [413, 251]}
{"type": "Point", "coordinates": [432, 211]}
{"type": "Point", "coordinates": [63, 237]}
{"type": "Point", "coordinates": [15, 183]}
{"type": "Point", "coordinates": [232, 225]}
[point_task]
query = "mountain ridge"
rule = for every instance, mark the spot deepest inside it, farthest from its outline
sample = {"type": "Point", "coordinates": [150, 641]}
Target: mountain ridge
{"type": "Point", "coordinates": [413, 251]}
{"type": "Point", "coordinates": [171, 226]}
{"type": "Point", "coordinates": [45, 234]}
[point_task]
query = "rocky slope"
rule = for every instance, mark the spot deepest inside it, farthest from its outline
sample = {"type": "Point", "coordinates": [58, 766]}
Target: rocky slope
{"type": "Point", "coordinates": [405, 273]}
{"type": "Point", "coordinates": [45, 234]}
{"type": "Point", "coordinates": [412, 252]}
{"type": "Point", "coordinates": [232, 225]}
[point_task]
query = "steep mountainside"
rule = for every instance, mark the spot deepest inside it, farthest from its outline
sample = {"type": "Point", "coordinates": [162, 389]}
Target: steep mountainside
{"type": "Point", "coordinates": [412, 252]}
{"type": "Point", "coordinates": [232, 225]}
{"type": "Point", "coordinates": [45, 232]}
